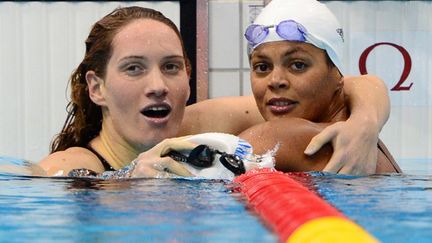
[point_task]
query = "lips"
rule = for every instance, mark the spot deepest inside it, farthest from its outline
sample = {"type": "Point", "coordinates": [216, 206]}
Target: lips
{"type": "Point", "coordinates": [281, 105]}
{"type": "Point", "coordinates": [156, 111]}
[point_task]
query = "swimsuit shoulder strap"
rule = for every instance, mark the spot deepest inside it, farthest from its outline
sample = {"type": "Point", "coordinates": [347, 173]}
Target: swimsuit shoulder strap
{"type": "Point", "coordinates": [105, 163]}
{"type": "Point", "coordinates": [387, 154]}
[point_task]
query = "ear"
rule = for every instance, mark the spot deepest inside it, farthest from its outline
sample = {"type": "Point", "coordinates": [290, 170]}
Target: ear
{"type": "Point", "coordinates": [188, 92]}
{"type": "Point", "coordinates": [336, 75]}
{"type": "Point", "coordinates": [340, 83]}
{"type": "Point", "coordinates": [95, 88]}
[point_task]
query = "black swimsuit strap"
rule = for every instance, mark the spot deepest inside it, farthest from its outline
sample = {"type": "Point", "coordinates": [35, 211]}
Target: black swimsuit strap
{"type": "Point", "coordinates": [105, 163]}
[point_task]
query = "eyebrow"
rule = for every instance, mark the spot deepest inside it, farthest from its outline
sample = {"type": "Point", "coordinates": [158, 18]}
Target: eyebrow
{"type": "Point", "coordinates": [132, 57]}
{"type": "Point", "coordinates": [290, 51]}
{"type": "Point", "coordinates": [293, 50]}
{"type": "Point", "coordinates": [174, 57]}
{"type": "Point", "coordinates": [145, 58]}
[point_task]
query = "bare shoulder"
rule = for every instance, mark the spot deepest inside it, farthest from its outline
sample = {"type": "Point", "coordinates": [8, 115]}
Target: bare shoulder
{"type": "Point", "coordinates": [292, 135]}
{"type": "Point", "coordinates": [290, 131]}
{"type": "Point", "coordinates": [226, 114]}
{"type": "Point", "coordinates": [61, 162]}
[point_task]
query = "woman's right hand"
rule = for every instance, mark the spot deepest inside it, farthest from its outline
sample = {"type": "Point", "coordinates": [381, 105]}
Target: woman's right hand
{"type": "Point", "coordinates": [354, 144]}
{"type": "Point", "coordinates": [154, 164]}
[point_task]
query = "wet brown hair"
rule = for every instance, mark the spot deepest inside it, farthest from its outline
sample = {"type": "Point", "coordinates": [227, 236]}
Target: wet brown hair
{"type": "Point", "coordinates": [84, 119]}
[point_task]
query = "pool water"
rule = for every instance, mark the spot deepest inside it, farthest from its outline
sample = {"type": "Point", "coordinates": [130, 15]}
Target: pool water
{"type": "Point", "coordinates": [393, 208]}
{"type": "Point", "coordinates": [149, 210]}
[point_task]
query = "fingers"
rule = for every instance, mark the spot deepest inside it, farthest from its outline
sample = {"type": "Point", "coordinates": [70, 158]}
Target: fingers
{"type": "Point", "coordinates": [335, 163]}
{"type": "Point", "coordinates": [352, 169]}
{"type": "Point", "coordinates": [178, 144]}
{"type": "Point", "coordinates": [320, 140]}
{"type": "Point", "coordinates": [347, 170]}
{"type": "Point", "coordinates": [152, 163]}
{"type": "Point", "coordinates": [354, 148]}
{"type": "Point", "coordinates": [362, 167]}
{"type": "Point", "coordinates": [174, 167]}
{"type": "Point", "coordinates": [354, 165]}
{"type": "Point", "coordinates": [162, 168]}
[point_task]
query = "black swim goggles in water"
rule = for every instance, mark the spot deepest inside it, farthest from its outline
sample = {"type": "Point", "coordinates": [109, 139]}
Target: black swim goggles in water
{"type": "Point", "coordinates": [287, 30]}
{"type": "Point", "coordinates": [203, 156]}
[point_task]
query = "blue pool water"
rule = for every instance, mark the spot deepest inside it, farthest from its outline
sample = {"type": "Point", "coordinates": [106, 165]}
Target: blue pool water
{"type": "Point", "coordinates": [394, 208]}
{"type": "Point", "coordinates": [144, 210]}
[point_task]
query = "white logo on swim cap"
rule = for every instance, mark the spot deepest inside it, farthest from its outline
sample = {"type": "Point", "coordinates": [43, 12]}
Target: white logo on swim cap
{"type": "Point", "coordinates": [340, 32]}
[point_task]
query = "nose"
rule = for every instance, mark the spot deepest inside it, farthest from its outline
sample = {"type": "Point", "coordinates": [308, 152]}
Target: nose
{"type": "Point", "coordinates": [278, 79]}
{"type": "Point", "coordinates": [156, 85]}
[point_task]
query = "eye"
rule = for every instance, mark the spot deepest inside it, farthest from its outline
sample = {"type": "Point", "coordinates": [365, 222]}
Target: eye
{"type": "Point", "coordinates": [134, 69]}
{"type": "Point", "coordinates": [299, 66]}
{"type": "Point", "coordinates": [261, 68]}
{"type": "Point", "coordinates": [172, 67]}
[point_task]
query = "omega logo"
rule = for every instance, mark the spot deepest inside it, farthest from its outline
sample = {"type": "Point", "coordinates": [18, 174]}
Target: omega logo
{"type": "Point", "coordinates": [406, 70]}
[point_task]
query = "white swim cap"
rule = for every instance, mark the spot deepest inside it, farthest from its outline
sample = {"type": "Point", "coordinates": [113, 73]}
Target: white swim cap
{"type": "Point", "coordinates": [322, 28]}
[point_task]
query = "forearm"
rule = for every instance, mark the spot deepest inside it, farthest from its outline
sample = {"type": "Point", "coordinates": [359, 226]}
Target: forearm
{"type": "Point", "coordinates": [226, 114]}
{"type": "Point", "coordinates": [368, 100]}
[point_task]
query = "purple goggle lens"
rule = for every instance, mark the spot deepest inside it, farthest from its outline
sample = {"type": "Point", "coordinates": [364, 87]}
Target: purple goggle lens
{"type": "Point", "coordinates": [287, 29]}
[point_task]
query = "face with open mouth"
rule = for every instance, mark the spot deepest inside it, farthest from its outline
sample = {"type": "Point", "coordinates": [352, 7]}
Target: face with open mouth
{"type": "Point", "coordinates": [146, 85]}
{"type": "Point", "coordinates": [292, 79]}
{"type": "Point", "coordinates": [156, 112]}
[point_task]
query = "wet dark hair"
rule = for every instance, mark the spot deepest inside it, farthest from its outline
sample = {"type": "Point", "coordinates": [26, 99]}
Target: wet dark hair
{"type": "Point", "coordinates": [84, 119]}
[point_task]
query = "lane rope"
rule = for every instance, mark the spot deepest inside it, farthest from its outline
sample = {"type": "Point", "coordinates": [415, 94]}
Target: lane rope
{"type": "Point", "coordinates": [294, 212]}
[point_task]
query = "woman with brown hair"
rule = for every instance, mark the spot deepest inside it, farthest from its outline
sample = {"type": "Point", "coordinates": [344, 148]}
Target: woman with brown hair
{"type": "Point", "coordinates": [128, 94]}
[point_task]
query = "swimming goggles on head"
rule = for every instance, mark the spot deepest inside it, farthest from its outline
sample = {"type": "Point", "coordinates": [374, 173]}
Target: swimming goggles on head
{"type": "Point", "coordinates": [287, 30]}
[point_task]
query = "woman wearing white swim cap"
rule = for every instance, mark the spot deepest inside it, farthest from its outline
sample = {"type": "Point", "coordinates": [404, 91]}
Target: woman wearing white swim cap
{"type": "Point", "coordinates": [354, 141]}
{"type": "Point", "coordinates": [297, 83]}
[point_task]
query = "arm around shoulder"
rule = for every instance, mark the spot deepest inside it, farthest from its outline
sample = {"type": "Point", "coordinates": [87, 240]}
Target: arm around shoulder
{"type": "Point", "coordinates": [368, 99]}
{"type": "Point", "coordinates": [354, 141]}
{"type": "Point", "coordinates": [226, 114]}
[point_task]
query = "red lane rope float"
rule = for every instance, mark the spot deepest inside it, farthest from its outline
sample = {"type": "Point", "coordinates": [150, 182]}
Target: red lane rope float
{"type": "Point", "coordinates": [295, 213]}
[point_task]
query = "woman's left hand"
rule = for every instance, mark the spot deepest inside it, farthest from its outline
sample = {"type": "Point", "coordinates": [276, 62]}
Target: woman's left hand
{"type": "Point", "coordinates": [354, 146]}
{"type": "Point", "coordinates": [155, 164]}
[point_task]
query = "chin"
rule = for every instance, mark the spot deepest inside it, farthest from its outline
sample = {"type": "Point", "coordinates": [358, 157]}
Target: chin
{"type": "Point", "coordinates": [148, 141]}
{"type": "Point", "coordinates": [158, 136]}
{"type": "Point", "coordinates": [274, 117]}
{"type": "Point", "coordinates": [271, 117]}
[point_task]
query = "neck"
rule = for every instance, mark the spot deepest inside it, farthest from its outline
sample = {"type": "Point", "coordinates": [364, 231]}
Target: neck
{"type": "Point", "coordinates": [337, 110]}
{"type": "Point", "coordinates": [117, 152]}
